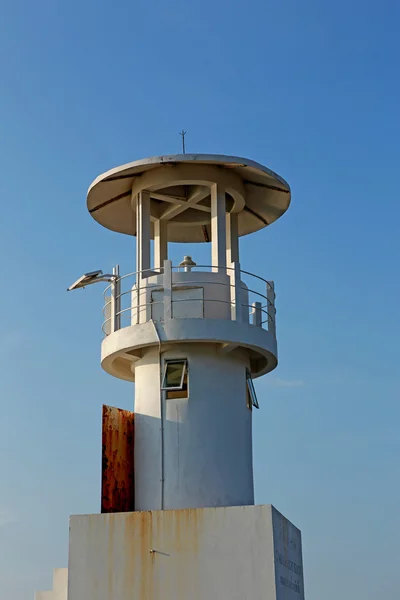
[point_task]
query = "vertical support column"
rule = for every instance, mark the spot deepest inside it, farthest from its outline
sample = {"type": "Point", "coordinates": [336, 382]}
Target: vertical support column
{"type": "Point", "coordinates": [232, 260]}
{"type": "Point", "coordinates": [160, 243]}
{"type": "Point", "coordinates": [271, 307]}
{"type": "Point", "coordinates": [142, 233]}
{"type": "Point", "coordinates": [167, 290]}
{"type": "Point", "coordinates": [115, 301]}
{"type": "Point", "coordinates": [107, 315]}
{"type": "Point", "coordinates": [232, 239]}
{"type": "Point", "coordinates": [236, 292]}
{"type": "Point", "coordinates": [218, 227]}
{"type": "Point", "coordinates": [142, 246]}
{"type": "Point", "coordinates": [256, 314]}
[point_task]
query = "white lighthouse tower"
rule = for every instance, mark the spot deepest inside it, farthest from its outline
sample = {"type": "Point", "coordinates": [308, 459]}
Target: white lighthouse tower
{"type": "Point", "coordinates": [178, 472]}
{"type": "Point", "coordinates": [192, 338]}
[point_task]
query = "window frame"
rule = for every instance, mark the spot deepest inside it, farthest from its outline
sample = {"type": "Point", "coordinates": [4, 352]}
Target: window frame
{"type": "Point", "coordinates": [168, 361]}
{"type": "Point", "coordinates": [250, 389]}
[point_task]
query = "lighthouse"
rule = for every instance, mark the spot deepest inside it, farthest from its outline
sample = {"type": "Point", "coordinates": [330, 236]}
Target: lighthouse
{"type": "Point", "coordinates": [178, 519]}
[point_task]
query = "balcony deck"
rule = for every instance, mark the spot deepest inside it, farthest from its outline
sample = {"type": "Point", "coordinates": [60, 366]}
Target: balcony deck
{"type": "Point", "coordinates": [229, 307]}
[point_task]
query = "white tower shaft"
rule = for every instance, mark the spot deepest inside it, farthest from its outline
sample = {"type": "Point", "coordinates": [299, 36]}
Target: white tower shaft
{"type": "Point", "coordinates": [194, 452]}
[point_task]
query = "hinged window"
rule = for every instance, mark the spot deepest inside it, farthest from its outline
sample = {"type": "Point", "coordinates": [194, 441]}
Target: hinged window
{"type": "Point", "coordinates": [251, 392]}
{"type": "Point", "coordinates": [175, 379]}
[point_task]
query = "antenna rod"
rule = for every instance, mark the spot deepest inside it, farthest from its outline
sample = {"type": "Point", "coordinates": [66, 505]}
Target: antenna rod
{"type": "Point", "coordinates": [183, 133]}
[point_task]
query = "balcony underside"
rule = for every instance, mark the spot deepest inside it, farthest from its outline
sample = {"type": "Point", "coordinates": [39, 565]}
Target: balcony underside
{"type": "Point", "coordinates": [121, 349]}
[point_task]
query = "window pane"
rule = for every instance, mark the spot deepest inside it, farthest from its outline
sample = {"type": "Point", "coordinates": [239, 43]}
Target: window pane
{"type": "Point", "coordinates": [182, 393]}
{"type": "Point", "coordinates": [174, 373]}
{"type": "Point", "coordinates": [249, 402]}
{"type": "Point", "coordinates": [251, 390]}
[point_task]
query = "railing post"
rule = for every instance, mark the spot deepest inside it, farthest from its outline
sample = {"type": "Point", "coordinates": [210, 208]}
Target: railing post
{"type": "Point", "coordinates": [167, 290]}
{"type": "Point", "coordinates": [256, 314]}
{"type": "Point", "coordinates": [138, 291]}
{"type": "Point", "coordinates": [271, 307]}
{"type": "Point", "coordinates": [236, 292]}
{"type": "Point", "coordinates": [114, 301]}
{"type": "Point", "coordinates": [116, 292]}
{"type": "Point", "coordinates": [107, 315]}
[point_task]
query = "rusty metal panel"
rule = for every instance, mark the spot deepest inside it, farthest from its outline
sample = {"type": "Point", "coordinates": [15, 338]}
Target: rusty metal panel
{"type": "Point", "coordinates": [118, 473]}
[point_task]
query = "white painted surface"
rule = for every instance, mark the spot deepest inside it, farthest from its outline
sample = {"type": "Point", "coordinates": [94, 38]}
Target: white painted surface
{"type": "Point", "coordinates": [247, 183]}
{"type": "Point", "coordinates": [142, 232]}
{"type": "Point", "coordinates": [216, 292]}
{"type": "Point", "coordinates": [203, 443]}
{"type": "Point", "coordinates": [160, 243]}
{"type": "Point", "coordinates": [148, 453]}
{"type": "Point", "coordinates": [218, 227]}
{"type": "Point", "coordinates": [60, 587]}
{"type": "Point", "coordinates": [187, 303]}
{"type": "Point", "coordinates": [207, 554]}
{"type": "Point", "coordinates": [263, 358]}
{"type": "Point", "coordinates": [107, 315]}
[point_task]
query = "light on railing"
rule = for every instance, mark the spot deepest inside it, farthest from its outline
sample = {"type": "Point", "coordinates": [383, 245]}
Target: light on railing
{"type": "Point", "coordinates": [89, 279]}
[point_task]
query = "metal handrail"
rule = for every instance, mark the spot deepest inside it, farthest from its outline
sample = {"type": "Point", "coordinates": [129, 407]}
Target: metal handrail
{"type": "Point", "coordinates": [142, 288]}
{"type": "Point", "coordinates": [178, 284]}
{"type": "Point", "coordinates": [143, 306]}
{"type": "Point", "coordinates": [261, 310]}
{"type": "Point", "coordinates": [161, 269]}
{"type": "Point", "coordinates": [113, 295]}
{"type": "Point", "coordinates": [215, 300]}
{"type": "Point", "coordinates": [229, 269]}
{"type": "Point", "coordinates": [134, 309]}
{"type": "Point", "coordinates": [154, 271]}
{"type": "Point", "coordinates": [202, 300]}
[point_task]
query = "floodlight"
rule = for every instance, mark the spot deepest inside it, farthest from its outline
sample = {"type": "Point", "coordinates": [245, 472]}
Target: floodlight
{"type": "Point", "coordinates": [89, 278]}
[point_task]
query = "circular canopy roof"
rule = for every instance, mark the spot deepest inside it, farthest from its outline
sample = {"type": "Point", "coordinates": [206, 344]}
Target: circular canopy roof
{"type": "Point", "coordinates": [180, 193]}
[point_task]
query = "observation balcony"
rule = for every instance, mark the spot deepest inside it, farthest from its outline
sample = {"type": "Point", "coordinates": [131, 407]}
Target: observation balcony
{"type": "Point", "coordinates": [232, 308]}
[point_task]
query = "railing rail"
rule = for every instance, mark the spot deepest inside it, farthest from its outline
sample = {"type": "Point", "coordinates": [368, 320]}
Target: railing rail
{"type": "Point", "coordinates": [253, 303]}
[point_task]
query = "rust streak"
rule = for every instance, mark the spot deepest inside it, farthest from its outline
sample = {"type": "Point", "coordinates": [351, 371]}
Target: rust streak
{"type": "Point", "coordinates": [147, 557]}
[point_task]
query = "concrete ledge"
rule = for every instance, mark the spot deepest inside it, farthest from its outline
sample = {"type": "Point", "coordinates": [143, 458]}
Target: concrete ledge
{"type": "Point", "coordinates": [60, 587]}
{"type": "Point", "coordinates": [120, 349]}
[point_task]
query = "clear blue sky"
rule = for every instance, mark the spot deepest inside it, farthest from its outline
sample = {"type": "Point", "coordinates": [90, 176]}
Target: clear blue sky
{"type": "Point", "coordinates": [311, 89]}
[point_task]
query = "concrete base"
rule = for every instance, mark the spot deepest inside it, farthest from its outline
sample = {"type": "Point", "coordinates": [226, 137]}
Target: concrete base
{"type": "Point", "coordinates": [60, 587]}
{"type": "Point", "coordinates": [198, 554]}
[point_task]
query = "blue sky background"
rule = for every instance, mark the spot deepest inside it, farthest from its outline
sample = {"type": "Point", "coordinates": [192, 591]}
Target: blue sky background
{"type": "Point", "coordinates": [310, 89]}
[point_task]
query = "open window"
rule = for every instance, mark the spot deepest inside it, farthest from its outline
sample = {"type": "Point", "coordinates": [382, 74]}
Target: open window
{"type": "Point", "coordinates": [251, 392]}
{"type": "Point", "coordinates": [175, 379]}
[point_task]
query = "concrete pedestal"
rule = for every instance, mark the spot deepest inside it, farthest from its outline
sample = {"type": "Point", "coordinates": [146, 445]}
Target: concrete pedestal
{"type": "Point", "coordinates": [233, 553]}
{"type": "Point", "coordinates": [60, 587]}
